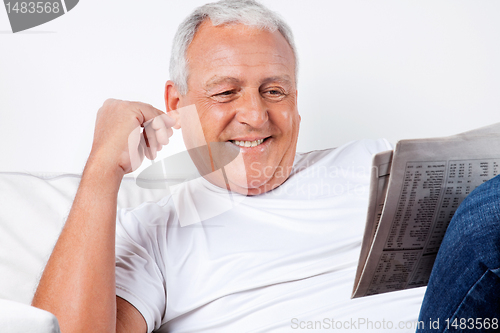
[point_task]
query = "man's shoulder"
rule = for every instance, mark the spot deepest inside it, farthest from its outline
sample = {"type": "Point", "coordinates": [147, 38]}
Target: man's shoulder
{"type": "Point", "coordinates": [349, 163]}
{"type": "Point", "coordinates": [350, 152]}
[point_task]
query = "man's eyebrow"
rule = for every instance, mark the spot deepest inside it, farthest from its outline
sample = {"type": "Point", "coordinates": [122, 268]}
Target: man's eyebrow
{"type": "Point", "coordinates": [217, 80]}
{"type": "Point", "coordinates": [283, 79]}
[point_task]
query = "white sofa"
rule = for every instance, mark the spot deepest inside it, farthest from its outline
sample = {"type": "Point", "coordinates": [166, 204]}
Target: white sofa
{"type": "Point", "coordinates": [33, 210]}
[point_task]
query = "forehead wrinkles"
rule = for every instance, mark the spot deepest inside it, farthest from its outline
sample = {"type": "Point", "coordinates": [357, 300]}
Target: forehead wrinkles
{"type": "Point", "coordinates": [230, 70]}
{"type": "Point", "coordinates": [231, 56]}
{"type": "Point", "coordinates": [225, 69]}
{"type": "Point", "coordinates": [221, 50]}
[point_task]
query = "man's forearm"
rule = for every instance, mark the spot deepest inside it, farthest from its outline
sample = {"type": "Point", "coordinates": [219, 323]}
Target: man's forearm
{"type": "Point", "coordinates": [78, 284]}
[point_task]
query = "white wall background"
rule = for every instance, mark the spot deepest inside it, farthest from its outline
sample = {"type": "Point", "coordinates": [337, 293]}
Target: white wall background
{"type": "Point", "coordinates": [368, 69]}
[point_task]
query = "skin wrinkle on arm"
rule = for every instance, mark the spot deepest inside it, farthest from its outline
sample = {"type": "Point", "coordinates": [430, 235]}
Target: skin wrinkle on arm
{"type": "Point", "coordinates": [127, 317]}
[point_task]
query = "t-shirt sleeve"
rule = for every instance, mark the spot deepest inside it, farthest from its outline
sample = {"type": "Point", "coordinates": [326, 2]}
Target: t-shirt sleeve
{"type": "Point", "coordinates": [139, 280]}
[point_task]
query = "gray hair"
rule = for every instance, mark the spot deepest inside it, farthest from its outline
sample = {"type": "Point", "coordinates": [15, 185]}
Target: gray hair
{"type": "Point", "coordinates": [247, 12]}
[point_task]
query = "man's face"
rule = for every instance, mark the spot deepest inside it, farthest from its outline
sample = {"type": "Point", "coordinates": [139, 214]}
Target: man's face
{"type": "Point", "coordinates": [242, 82]}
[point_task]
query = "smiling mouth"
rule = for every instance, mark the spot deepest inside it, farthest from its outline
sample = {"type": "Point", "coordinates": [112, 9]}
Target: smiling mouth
{"type": "Point", "coordinates": [248, 143]}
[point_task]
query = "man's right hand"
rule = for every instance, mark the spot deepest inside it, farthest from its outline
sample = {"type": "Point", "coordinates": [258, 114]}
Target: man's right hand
{"type": "Point", "coordinates": [118, 138]}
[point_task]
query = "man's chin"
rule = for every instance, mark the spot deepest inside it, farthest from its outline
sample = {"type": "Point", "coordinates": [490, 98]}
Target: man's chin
{"type": "Point", "coordinates": [244, 186]}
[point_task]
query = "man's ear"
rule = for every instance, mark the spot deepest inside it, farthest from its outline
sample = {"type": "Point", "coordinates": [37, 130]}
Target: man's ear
{"type": "Point", "coordinates": [172, 102]}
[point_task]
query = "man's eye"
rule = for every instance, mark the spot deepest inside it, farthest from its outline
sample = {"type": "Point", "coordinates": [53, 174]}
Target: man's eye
{"type": "Point", "coordinates": [226, 93]}
{"type": "Point", "coordinates": [275, 94]}
{"type": "Point", "coordinates": [225, 96]}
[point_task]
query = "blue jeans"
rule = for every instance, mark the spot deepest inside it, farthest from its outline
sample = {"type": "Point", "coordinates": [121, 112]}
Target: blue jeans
{"type": "Point", "coordinates": [464, 288]}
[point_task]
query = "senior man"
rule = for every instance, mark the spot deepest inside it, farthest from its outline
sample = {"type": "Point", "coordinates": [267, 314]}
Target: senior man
{"type": "Point", "coordinates": [277, 255]}
{"type": "Point", "coordinates": [286, 248]}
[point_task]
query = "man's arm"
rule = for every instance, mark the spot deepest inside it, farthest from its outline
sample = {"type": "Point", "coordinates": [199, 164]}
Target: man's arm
{"type": "Point", "coordinates": [128, 319]}
{"type": "Point", "coordinates": [78, 283]}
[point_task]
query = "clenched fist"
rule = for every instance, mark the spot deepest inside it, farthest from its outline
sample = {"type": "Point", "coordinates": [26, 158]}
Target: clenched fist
{"type": "Point", "coordinates": [125, 132]}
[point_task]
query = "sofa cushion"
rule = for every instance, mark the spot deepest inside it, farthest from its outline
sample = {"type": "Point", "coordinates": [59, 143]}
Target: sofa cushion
{"type": "Point", "coordinates": [16, 317]}
{"type": "Point", "coordinates": [33, 210]}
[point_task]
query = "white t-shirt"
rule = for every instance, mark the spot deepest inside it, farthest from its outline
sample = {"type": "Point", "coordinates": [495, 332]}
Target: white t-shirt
{"type": "Point", "coordinates": [279, 261]}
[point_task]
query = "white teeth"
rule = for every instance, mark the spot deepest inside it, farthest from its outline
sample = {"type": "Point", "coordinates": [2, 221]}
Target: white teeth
{"type": "Point", "coordinates": [248, 143]}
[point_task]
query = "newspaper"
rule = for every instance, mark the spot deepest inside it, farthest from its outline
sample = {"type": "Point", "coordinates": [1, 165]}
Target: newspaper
{"type": "Point", "coordinates": [414, 192]}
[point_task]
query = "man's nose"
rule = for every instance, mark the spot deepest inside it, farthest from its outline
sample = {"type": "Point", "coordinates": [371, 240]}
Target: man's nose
{"type": "Point", "coordinates": [252, 109]}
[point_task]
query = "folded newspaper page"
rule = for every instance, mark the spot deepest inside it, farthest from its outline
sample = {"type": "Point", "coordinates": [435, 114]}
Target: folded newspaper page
{"type": "Point", "coordinates": [414, 193]}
